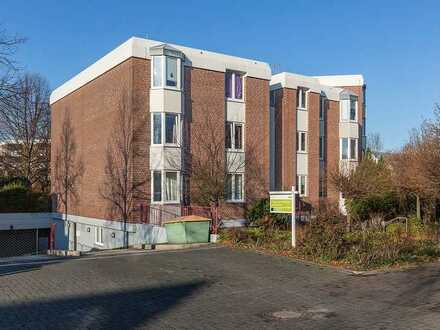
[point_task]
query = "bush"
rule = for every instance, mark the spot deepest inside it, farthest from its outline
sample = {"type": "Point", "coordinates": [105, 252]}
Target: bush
{"type": "Point", "coordinates": [386, 204]}
{"type": "Point", "coordinates": [16, 197]}
{"type": "Point", "coordinates": [258, 214]}
{"type": "Point", "coordinates": [325, 239]}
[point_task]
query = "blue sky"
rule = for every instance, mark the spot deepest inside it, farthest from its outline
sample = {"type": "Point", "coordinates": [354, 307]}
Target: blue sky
{"type": "Point", "coordinates": [394, 44]}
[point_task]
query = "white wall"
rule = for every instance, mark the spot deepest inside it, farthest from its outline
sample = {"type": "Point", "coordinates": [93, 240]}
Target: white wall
{"type": "Point", "coordinates": [25, 220]}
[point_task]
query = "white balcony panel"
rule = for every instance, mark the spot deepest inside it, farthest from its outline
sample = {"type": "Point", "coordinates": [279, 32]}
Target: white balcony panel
{"type": "Point", "coordinates": [165, 100]}
{"type": "Point", "coordinates": [235, 111]}
{"type": "Point", "coordinates": [302, 120]}
{"type": "Point", "coordinates": [347, 165]}
{"type": "Point", "coordinates": [165, 158]}
{"type": "Point", "coordinates": [349, 130]}
{"type": "Point", "coordinates": [302, 164]}
{"type": "Point", "coordinates": [235, 161]}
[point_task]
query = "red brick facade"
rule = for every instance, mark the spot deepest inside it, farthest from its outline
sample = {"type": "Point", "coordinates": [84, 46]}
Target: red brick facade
{"type": "Point", "coordinates": [285, 138]}
{"type": "Point", "coordinates": [93, 112]}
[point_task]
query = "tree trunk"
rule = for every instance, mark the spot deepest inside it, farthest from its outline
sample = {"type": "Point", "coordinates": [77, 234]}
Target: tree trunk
{"type": "Point", "coordinates": [419, 216]}
{"type": "Point", "coordinates": [348, 222]}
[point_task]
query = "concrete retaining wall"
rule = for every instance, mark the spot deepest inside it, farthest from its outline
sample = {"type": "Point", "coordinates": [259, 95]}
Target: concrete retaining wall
{"type": "Point", "coordinates": [113, 233]}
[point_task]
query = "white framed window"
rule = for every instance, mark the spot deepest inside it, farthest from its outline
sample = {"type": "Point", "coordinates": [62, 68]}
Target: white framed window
{"type": "Point", "coordinates": [234, 187]}
{"type": "Point", "coordinates": [157, 127]}
{"type": "Point", "coordinates": [353, 108]}
{"type": "Point", "coordinates": [166, 72]}
{"type": "Point", "coordinates": [301, 98]}
{"type": "Point", "coordinates": [321, 147]}
{"type": "Point", "coordinates": [99, 235]}
{"type": "Point", "coordinates": [349, 148]}
{"type": "Point", "coordinates": [157, 71]}
{"type": "Point", "coordinates": [301, 141]}
{"type": "Point", "coordinates": [165, 128]}
{"type": "Point", "coordinates": [234, 135]}
{"type": "Point", "coordinates": [166, 186]}
{"type": "Point", "coordinates": [171, 128]}
{"type": "Point", "coordinates": [353, 148]}
{"type": "Point", "coordinates": [234, 85]}
{"type": "Point", "coordinates": [349, 109]}
{"type": "Point", "coordinates": [301, 183]}
{"type": "Point", "coordinates": [157, 186]}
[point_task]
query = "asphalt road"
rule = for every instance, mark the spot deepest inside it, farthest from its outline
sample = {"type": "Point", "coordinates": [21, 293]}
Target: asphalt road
{"type": "Point", "coordinates": [214, 288]}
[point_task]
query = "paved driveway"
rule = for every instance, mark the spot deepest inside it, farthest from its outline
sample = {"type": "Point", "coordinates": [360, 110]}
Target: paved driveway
{"type": "Point", "coordinates": [215, 288]}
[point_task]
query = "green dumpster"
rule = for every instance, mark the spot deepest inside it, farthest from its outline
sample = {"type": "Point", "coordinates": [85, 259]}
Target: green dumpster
{"type": "Point", "coordinates": [188, 229]}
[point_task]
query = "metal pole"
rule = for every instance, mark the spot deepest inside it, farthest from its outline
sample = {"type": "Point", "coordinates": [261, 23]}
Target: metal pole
{"type": "Point", "coordinates": [293, 218]}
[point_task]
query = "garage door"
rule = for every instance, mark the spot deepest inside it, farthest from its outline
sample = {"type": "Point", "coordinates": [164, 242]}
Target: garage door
{"type": "Point", "coordinates": [22, 242]}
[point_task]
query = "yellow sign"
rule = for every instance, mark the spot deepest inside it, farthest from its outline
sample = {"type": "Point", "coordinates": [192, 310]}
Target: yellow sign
{"type": "Point", "coordinates": [281, 205]}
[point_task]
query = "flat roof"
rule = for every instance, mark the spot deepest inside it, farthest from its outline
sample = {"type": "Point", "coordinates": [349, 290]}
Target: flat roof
{"type": "Point", "coordinates": [139, 47]}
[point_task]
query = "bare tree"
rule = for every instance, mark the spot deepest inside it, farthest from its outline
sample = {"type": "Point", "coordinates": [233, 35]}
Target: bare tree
{"type": "Point", "coordinates": [208, 166]}
{"type": "Point", "coordinates": [120, 188]}
{"type": "Point", "coordinates": [25, 131]}
{"type": "Point", "coordinates": [374, 143]}
{"type": "Point", "coordinates": [415, 167]}
{"type": "Point", "coordinates": [68, 167]}
{"type": "Point", "coordinates": [8, 67]}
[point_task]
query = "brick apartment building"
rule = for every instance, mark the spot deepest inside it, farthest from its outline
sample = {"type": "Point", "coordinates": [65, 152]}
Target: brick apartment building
{"type": "Point", "coordinates": [177, 93]}
{"type": "Point", "coordinates": [317, 124]}
{"type": "Point", "coordinates": [271, 132]}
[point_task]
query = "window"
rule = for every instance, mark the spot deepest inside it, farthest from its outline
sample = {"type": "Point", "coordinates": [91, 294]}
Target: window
{"type": "Point", "coordinates": [321, 147]}
{"type": "Point", "coordinates": [238, 136]}
{"type": "Point", "coordinates": [301, 182]}
{"type": "Point", "coordinates": [301, 98]}
{"type": "Point", "coordinates": [171, 186]}
{"type": "Point", "coordinates": [165, 124]}
{"type": "Point", "coordinates": [99, 233]}
{"type": "Point", "coordinates": [228, 135]}
{"type": "Point", "coordinates": [157, 71]}
{"type": "Point", "coordinates": [166, 190]}
{"type": "Point", "coordinates": [171, 71]}
{"type": "Point", "coordinates": [234, 135]}
{"type": "Point", "coordinates": [157, 186]}
{"type": "Point", "coordinates": [166, 71]}
{"type": "Point", "coordinates": [353, 149]}
{"type": "Point", "coordinates": [349, 148]}
{"type": "Point", "coordinates": [234, 85]}
{"type": "Point", "coordinates": [344, 148]}
{"type": "Point", "coordinates": [353, 106]}
{"type": "Point", "coordinates": [171, 123]}
{"type": "Point", "coordinates": [157, 128]}
{"type": "Point", "coordinates": [234, 187]}
{"type": "Point", "coordinates": [301, 141]}
{"type": "Point", "coordinates": [322, 108]}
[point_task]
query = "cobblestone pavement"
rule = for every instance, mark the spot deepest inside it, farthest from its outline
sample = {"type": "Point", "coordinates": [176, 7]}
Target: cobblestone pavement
{"type": "Point", "coordinates": [215, 288]}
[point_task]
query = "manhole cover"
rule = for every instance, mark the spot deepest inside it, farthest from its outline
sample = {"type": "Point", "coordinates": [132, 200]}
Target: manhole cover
{"type": "Point", "coordinates": [286, 315]}
{"type": "Point", "coordinates": [320, 313]}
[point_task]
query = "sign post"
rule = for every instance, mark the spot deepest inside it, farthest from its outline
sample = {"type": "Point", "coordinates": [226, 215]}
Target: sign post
{"type": "Point", "coordinates": [284, 202]}
{"type": "Point", "coordinates": [293, 217]}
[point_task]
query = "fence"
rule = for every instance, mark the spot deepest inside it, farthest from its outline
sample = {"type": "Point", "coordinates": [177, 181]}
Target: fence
{"type": "Point", "coordinates": [157, 215]}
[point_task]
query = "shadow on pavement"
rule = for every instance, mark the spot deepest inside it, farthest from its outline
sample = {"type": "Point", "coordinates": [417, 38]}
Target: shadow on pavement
{"type": "Point", "coordinates": [122, 309]}
{"type": "Point", "coordinates": [11, 270]}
